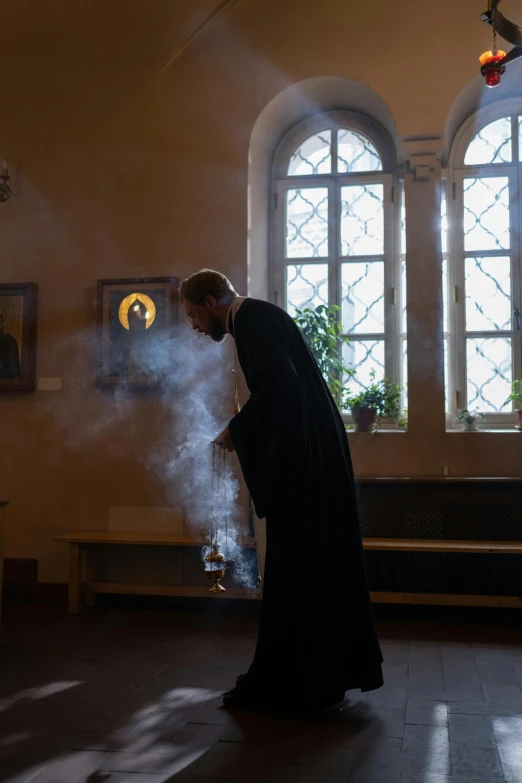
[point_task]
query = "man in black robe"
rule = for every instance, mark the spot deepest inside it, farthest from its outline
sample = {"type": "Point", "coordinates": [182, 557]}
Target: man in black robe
{"type": "Point", "coordinates": [316, 634]}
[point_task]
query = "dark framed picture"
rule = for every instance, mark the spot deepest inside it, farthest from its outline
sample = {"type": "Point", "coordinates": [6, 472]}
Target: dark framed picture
{"type": "Point", "coordinates": [18, 303]}
{"type": "Point", "coordinates": [136, 321]}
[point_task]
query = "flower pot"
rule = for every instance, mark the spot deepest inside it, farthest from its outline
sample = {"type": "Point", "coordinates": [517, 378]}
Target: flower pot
{"type": "Point", "coordinates": [364, 419]}
{"type": "Point", "coordinates": [518, 425]}
{"type": "Point", "coordinates": [470, 426]}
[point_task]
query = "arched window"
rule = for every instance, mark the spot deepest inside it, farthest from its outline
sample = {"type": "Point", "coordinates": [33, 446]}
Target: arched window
{"type": "Point", "coordinates": [485, 262]}
{"type": "Point", "coordinates": [335, 238]}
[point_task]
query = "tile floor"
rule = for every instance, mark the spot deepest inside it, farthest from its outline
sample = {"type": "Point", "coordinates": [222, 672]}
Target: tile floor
{"type": "Point", "coordinates": [134, 697]}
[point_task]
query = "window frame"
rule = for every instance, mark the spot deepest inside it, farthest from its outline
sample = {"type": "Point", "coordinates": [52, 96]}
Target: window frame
{"type": "Point", "coordinates": [457, 172]}
{"type": "Point", "coordinates": [391, 257]}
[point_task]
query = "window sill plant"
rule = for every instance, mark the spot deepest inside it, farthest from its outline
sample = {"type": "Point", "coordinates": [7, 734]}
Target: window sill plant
{"type": "Point", "coordinates": [516, 397]}
{"type": "Point", "coordinates": [379, 400]}
{"type": "Point", "coordinates": [469, 419]}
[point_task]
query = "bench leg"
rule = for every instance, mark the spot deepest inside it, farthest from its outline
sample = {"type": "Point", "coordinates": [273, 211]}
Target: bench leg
{"type": "Point", "coordinates": [87, 570]}
{"type": "Point", "coordinates": [75, 573]}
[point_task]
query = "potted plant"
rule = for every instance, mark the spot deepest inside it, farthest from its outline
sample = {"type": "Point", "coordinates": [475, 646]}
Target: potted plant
{"type": "Point", "coordinates": [323, 332]}
{"type": "Point", "coordinates": [469, 419]}
{"type": "Point", "coordinates": [379, 400]}
{"type": "Point", "coordinates": [516, 396]}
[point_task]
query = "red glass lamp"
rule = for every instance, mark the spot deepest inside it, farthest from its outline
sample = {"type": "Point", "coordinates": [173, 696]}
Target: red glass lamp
{"type": "Point", "coordinates": [491, 66]}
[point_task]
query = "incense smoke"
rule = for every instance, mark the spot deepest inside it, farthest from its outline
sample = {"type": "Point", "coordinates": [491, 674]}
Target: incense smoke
{"type": "Point", "coordinates": [86, 434]}
{"type": "Point", "coordinates": [197, 407]}
{"type": "Point", "coordinates": [193, 405]}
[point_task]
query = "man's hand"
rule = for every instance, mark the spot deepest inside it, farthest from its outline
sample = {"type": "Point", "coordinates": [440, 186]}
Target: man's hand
{"type": "Point", "coordinates": [224, 440]}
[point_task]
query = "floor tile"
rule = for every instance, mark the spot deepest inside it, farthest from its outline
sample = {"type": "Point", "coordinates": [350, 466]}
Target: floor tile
{"type": "Point", "coordinates": [512, 774]}
{"type": "Point", "coordinates": [427, 713]}
{"type": "Point", "coordinates": [71, 767]}
{"type": "Point", "coordinates": [426, 740]}
{"type": "Point", "coordinates": [461, 673]}
{"type": "Point", "coordinates": [475, 760]}
{"type": "Point", "coordinates": [431, 694]}
{"type": "Point", "coordinates": [392, 697]}
{"type": "Point", "coordinates": [471, 729]}
{"type": "Point", "coordinates": [506, 726]}
{"type": "Point", "coordinates": [484, 708]}
{"type": "Point", "coordinates": [497, 672]}
{"type": "Point", "coordinates": [426, 777]}
{"type": "Point", "coordinates": [377, 776]}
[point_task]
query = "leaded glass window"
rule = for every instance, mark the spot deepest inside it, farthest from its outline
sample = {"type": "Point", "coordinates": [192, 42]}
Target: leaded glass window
{"type": "Point", "coordinates": [445, 286]}
{"type": "Point", "coordinates": [403, 314]}
{"type": "Point", "coordinates": [487, 193]}
{"type": "Point", "coordinates": [313, 156]}
{"type": "Point", "coordinates": [335, 236]}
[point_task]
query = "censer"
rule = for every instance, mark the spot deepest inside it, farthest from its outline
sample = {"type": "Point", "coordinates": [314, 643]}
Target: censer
{"type": "Point", "coordinates": [215, 561]}
{"type": "Point", "coordinates": [215, 567]}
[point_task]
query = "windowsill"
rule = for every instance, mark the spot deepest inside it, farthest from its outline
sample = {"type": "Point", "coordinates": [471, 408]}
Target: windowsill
{"type": "Point", "coordinates": [390, 480]}
{"type": "Point", "coordinates": [376, 432]}
{"type": "Point", "coordinates": [490, 431]}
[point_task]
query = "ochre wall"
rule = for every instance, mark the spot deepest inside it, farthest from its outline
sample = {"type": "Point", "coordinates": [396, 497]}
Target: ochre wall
{"type": "Point", "coordinates": [126, 167]}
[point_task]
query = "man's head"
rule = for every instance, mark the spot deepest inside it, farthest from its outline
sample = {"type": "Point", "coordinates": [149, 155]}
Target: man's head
{"type": "Point", "coordinates": [206, 297]}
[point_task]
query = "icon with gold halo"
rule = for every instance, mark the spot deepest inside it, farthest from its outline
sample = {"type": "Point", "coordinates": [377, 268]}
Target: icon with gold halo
{"type": "Point", "coordinates": [136, 319]}
{"type": "Point", "coordinates": [139, 307]}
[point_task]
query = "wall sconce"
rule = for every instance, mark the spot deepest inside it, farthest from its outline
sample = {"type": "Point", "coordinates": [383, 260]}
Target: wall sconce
{"type": "Point", "coordinates": [5, 190]}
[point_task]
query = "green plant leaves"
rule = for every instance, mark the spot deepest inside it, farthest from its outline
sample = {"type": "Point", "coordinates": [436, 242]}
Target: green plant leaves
{"type": "Point", "coordinates": [516, 392]}
{"type": "Point", "coordinates": [322, 329]}
{"type": "Point", "coordinates": [324, 334]}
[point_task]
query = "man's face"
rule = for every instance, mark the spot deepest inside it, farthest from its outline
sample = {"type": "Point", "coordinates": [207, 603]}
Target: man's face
{"type": "Point", "coordinates": [204, 319]}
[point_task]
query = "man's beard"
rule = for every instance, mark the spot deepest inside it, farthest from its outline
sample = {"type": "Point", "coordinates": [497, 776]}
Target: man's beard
{"type": "Point", "coordinates": [216, 330]}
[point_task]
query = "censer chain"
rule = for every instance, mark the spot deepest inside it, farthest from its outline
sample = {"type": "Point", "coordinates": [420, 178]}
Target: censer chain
{"type": "Point", "coordinates": [218, 476]}
{"type": "Point", "coordinates": [213, 491]}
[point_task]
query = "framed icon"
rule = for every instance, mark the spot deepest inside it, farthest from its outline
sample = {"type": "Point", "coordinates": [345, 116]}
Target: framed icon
{"type": "Point", "coordinates": [136, 321]}
{"type": "Point", "coordinates": [18, 307]}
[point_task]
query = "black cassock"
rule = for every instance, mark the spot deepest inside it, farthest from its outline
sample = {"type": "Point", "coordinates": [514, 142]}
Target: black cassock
{"type": "Point", "coordinates": [316, 635]}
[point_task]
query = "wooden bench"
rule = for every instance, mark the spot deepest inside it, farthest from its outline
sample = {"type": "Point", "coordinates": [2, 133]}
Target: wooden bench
{"type": "Point", "coordinates": [83, 544]}
{"type": "Point", "coordinates": [443, 547]}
